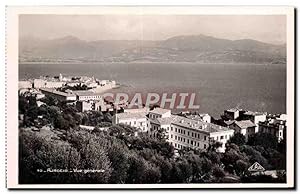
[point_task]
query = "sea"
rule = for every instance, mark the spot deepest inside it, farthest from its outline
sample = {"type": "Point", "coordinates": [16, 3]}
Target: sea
{"type": "Point", "coordinates": [256, 87]}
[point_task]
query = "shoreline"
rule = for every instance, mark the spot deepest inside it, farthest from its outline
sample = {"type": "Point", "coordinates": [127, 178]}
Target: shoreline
{"type": "Point", "coordinates": [162, 62]}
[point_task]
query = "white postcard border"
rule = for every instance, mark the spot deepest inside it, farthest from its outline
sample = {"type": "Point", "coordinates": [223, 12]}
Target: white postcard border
{"type": "Point", "coordinates": [12, 14]}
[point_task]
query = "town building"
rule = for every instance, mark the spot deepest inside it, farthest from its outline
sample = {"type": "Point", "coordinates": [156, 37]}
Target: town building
{"type": "Point", "coordinates": [232, 114]}
{"type": "Point", "coordinates": [91, 105]}
{"type": "Point", "coordinates": [86, 95]}
{"type": "Point", "coordinates": [182, 132]}
{"type": "Point", "coordinates": [275, 125]}
{"type": "Point", "coordinates": [62, 96]}
{"type": "Point", "coordinates": [159, 113]}
{"type": "Point", "coordinates": [134, 119]}
{"type": "Point", "coordinates": [245, 127]}
{"type": "Point", "coordinates": [144, 110]}
{"type": "Point", "coordinates": [44, 83]}
{"type": "Point", "coordinates": [25, 84]}
{"type": "Point", "coordinates": [255, 117]}
{"type": "Point", "coordinates": [203, 117]}
{"type": "Point", "coordinates": [242, 121]}
{"type": "Point", "coordinates": [39, 95]}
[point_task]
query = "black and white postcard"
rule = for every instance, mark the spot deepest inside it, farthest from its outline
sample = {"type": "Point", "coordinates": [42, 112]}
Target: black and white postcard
{"type": "Point", "coordinates": [150, 97]}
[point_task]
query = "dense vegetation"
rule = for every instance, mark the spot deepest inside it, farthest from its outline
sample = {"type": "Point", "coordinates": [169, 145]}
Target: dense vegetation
{"type": "Point", "coordinates": [123, 155]}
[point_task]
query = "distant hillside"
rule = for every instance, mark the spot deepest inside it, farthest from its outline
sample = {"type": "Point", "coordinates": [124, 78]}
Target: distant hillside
{"type": "Point", "coordinates": [199, 48]}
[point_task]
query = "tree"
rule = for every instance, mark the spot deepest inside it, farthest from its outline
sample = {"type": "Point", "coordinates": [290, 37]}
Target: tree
{"type": "Point", "coordinates": [117, 154]}
{"type": "Point", "coordinates": [218, 174]}
{"type": "Point", "coordinates": [254, 156]}
{"type": "Point", "coordinates": [241, 167]}
{"type": "Point", "coordinates": [107, 117]}
{"type": "Point", "coordinates": [231, 156]}
{"type": "Point", "coordinates": [94, 157]}
{"type": "Point", "coordinates": [238, 139]}
{"type": "Point", "coordinates": [265, 140]}
{"type": "Point", "coordinates": [37, 153]}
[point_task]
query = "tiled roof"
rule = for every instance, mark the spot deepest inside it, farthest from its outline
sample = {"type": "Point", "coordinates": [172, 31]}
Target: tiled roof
{"type": "Point", "coordinates": [192, 124]}
{"type": "Point", "coordinates": [245, 124]}
{"type": "Point", "coordinates": [167, 120]}
{"type": "Point", "coordinates": [131, 115]}
{"type": "Point", "coordinates": [198, 125]}
{"type": "Point", "coordinates": [229, 122]}
{"type": "Point", "coordinates": [159, 111]}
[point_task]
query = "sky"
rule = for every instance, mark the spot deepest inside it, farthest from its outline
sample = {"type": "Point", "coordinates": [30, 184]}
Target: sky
{"type": "Point", "coordinates": [265, 28]}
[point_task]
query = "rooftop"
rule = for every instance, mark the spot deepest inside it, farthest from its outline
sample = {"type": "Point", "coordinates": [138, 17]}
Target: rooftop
{"type": "Point", "coordinates": [229, 122]}
{"type": "Point", "coordinates": [54, 91]}
{"type": "Point", "coordinates": [245, 124]}
{"type": "Point", "coordinates": [199, 116]}
{"type": "Point", "coordinates": [131, 115]}
{"type": "Point", "coordinates": [159, 111]}
{"type": "Point", "coordinates": [84, 93]}
{"type": "Point", "coordinates": [191, 124]}
{"type": "Point", "coordinates": [167, 120]}
{"type": "Point", "coordinates": [198, 125]}
{"type": "Point", "coordinates": [233, 110]}
{"type": "Point", "coordinates": [251, 113]}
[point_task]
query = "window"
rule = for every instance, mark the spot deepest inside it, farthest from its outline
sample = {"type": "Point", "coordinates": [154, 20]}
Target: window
{"type": "Point", "coordinates": [188, 133]}
{"type": "Point", "coordinates": [198, 136]}
{"type": "Point", "coordinates": [171, 128]}
{"type": "Point", "coordinates": [222, 137]}
{"type": "Point", "coordinates": [188, 141]}
{"type": "Point", "coordinates": [204, 137]}
{"type": "Point", "coordinates": [171, 136]}
{"type": "Point", "coordinates": [192, 142]}
{"type": "Point", "coordinates": [184, 132]}
{"type": "Point", "coordinates": [175, 137]}
{"type": "Point", "coordinates": [183, 139]}
{"type": "Point", "coordinates": [176, 130]}
{"type": "Point", "coordinates": [198, 144]}
{"type": "Point", "coordinates": [204, 146]}
{"type": "Point", "coordinates": [175, 145]}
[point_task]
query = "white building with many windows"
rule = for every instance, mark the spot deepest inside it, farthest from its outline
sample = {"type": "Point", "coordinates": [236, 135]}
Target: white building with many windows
{"type": "Point", "coordinates": [274, 125]}
{"type": "Point", "coordinates": [134, 119]}
{"type": "Point", "coordinates": [86, 95]}
{"type": "Point", "coordinates": [184, 132]}
{"type": "Point", "coordinates": [159, 113]}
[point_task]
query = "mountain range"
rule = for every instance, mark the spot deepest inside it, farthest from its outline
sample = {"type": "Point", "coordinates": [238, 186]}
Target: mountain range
{"type": "Point", "coordinates": [192, 48]}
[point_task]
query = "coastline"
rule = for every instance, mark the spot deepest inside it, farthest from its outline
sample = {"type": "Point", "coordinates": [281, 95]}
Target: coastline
{"type": "Point", "coordinates": [162, 62]}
